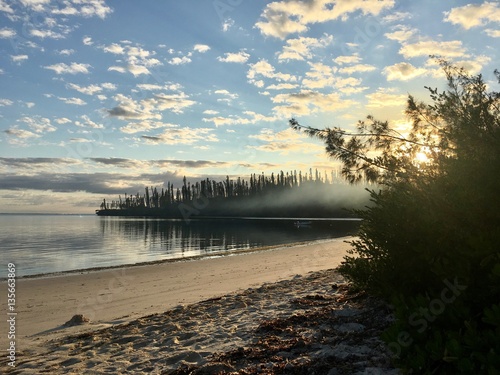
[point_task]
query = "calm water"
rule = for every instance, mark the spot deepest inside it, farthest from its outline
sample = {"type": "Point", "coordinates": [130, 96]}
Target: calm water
{"type": "Point", "coordinates": [53, 243]}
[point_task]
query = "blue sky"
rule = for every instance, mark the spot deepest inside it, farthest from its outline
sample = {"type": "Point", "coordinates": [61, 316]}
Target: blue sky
{"type": "Point", "coordinates": [100, 98]}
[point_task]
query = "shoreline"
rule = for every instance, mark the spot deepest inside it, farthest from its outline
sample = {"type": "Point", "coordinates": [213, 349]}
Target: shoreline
{"type": "Point", "coordinates": [313, 323]}
{"type": "Point", "coordinates": [218, 254]}
{"type": "Point", "coordinates": [109, 297]}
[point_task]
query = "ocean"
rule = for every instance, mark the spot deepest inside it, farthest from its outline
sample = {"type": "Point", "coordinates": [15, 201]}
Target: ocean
{"type": "Point", "coordinates": [41, 244]}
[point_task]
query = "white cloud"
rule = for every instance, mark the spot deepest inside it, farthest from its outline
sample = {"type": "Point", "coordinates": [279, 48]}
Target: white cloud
{"type": "Point", "coordinates": [401, 34]}
{"type": "Point", "coordinates": [39, 124]}
{"type": "Point", "coordinates": [403, 72]}
{"type": "Point", "coordinates": [145, 126]}
{"type": "Point", "coordinates": [236, 57]}
{"type": "Point", "coordinates": [63, 120]}
{"type": "Point", "coordinates": [249, 118]}
{"type": "Point", "coordinates": [182, 135]}
{"type": "Point", "coordinates": [147, 109]}
{"type": "Point", "coordinates": [18, 58]}
{"type": "Point", "coordinates": [397, 16]}
{"type": "Point", "coordinates": [425, 48]}
{"type": "Point", "coordinates": [306, 102]}
{"type": "Point", "coordinates": [137, 70]}
{"type": "Point", "coordinates": [73, 68]}
{"type": "Point", "coordinates": [300, 48]}
{"type": "Point", "coordinates": [51, 34]}
{"type": "Point", "coordinates": [263, 68]}
{"type": "Point", "coordinates": [74, 101]}
{"type": "Point", "coordinates": [473, 15]}
{"type": "Point", "coordinates": [282, 86]}
{"type": "Point", "coordinates": [284, 142]}
{"type": "Point", "coordinates": [494, 33]}
{"type": "Point", "coordinates": [6, 33]}
{"type": "Point", "coordinates": [179, 60]}
{"type": "Point", "coordinates": [114, 48]}
{"type": "Point", "coordinates": [87, 40]}
{"type": "Point", "coordinates": [87, 90]}
{"type": "Point", "coordinates": [385, 98]}
{"type": "Point", "coordinates": [226, 93]}
{"type": "Point", "coordinates": [5, 102]}
{"type": "Point", "coordinates": [66, 52]}
{"type": "Point", "coordinates": [88, 123]}
{"type": "Point", "coordinates": [281, 18]}
{"type": "Point", "coordinates": [20, 135]}
{"type": "Point", "coordinates": [351, 59]}
{"type": "Point", "coordinates": [4, 7]}
{"type": "Point", "coordinates": [201, 48]}
{"type": "Point", "coordinates": [119, 69]}
{"type": "Point", "coordinates": [357, 69]}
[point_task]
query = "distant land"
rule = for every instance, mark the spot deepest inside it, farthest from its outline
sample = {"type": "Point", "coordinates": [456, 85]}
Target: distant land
{"type": "Point", "coordinates": [282, 195]}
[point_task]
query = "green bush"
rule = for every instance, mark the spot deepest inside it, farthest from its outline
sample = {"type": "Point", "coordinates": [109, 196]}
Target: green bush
{"type": "Point", "coordinates": [430, 242]}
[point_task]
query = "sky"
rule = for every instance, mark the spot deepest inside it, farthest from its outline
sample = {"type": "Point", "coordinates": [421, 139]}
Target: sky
{"type": "Point", "coordinates": [100, 98]}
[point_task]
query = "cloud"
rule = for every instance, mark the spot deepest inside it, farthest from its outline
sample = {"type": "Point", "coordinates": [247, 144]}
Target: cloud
{"type": "Point", "coordinates": [474, 15]}
{"type": "Point", "coordinates": [66, 52]}
{"type": "Point", "coordinates": [30, 163]}
{"type": "Point", "coordinates": [306, 102]}
{"type": "Point", "coordinates": [73, 68]}
{"type": "Point", "coordinates": [114, 48]}
{"type": "Point", "coordinates": [182, 135]}
{"type": "Point", "coordinates": [82, 8]}
{"type": "Point", "coordinates": [179, 60]}
{"type": "Point", "coordinates": [357, 69]}
{"type": "Point", "coordinates": [403, 72]}
{"type": "Point", "coordinates": [282, 86]}
{"type": "Point", "coordinates": [425, 48]}
{"type": "Point", "coordinates": [7, 33]}
{"type": "Point", "coordinates": [300, 48]}
{"type": "Point", "coordinates": [284, 142]}
{"type": "Point", "coordinates": [281, 18]}
{"type": "Point", "coordinates": [385, 98]}
{"type": "Point", "coordinates": [263, 68]}
{"type": "Point", "coordinates": [39, 124]}
{"type": "Point", "coordinates": [5, 102]}
{"type": "Point", "coordinates": [401, 34]}
{"type": "Point", "coordinates": [88, 123]}
{"type": "Point", "coordinates": [145, 126]}
{"type": "Point", "coordinates": [137, 58]}
{"type": "Point", "coordinates": [201, 48]}
{"type": "Point", "coordinates": [236, 57]}
{"type": "Point", "coordinates": [249, 118]}
{"type": "Point", "coordinates": [19, 136]}
{"type": "Point", "coordinates": [396, 17]}
{"type": "Point", "coordinates": [51, 34]}
{"type": "Point", "coordinates": [148, 108]}
{"type": "Point", "coordinates": [87, 40]}
{"type": "Point", "coordinates": [351, 59]}
{"type": "Point", "coordinates": [494, 33]}
{"type": "Point", "coordinates": [74, 101]}
{"type": "Point", "coordinates": [91, 89]}
{"type": "Point", "coordinates": [63, 120]}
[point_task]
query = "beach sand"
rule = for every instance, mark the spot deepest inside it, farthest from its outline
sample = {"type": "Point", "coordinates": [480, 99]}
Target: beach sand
{"type": "Point", "coordinates": [172, 317]}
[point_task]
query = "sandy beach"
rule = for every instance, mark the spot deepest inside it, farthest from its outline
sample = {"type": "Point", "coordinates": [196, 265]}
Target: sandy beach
{"type": "Point", "coordinates": [157, 318]}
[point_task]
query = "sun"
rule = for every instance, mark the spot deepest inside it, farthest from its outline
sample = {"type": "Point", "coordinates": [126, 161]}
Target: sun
{"type": "Point", "coordinates": [421, 158]}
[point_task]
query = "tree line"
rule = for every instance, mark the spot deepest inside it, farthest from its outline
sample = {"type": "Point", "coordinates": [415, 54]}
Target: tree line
{"type": "Point", "coordinates": [257, 184]}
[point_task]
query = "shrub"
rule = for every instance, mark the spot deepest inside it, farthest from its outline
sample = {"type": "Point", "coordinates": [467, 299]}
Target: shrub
{"type": "Point", "coordinates": [429, 243]}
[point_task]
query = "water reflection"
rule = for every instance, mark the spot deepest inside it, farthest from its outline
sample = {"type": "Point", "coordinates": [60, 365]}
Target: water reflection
{"type": "Point", "coordinates": [202, 237]}
{"type": "Point", "coordinates": [55, 243]}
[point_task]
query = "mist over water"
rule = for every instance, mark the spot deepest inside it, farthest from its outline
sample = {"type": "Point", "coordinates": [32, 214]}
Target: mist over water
{"type": "Point", "coordinates": [56, 243]}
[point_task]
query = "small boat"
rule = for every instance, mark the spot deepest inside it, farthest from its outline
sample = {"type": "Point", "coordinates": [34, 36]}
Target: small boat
{"type": "Point", "coordinates": [302, 223]}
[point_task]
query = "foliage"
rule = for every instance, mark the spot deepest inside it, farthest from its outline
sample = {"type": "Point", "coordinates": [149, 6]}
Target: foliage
{"type": "Point", "coordinates": [433, 224]}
